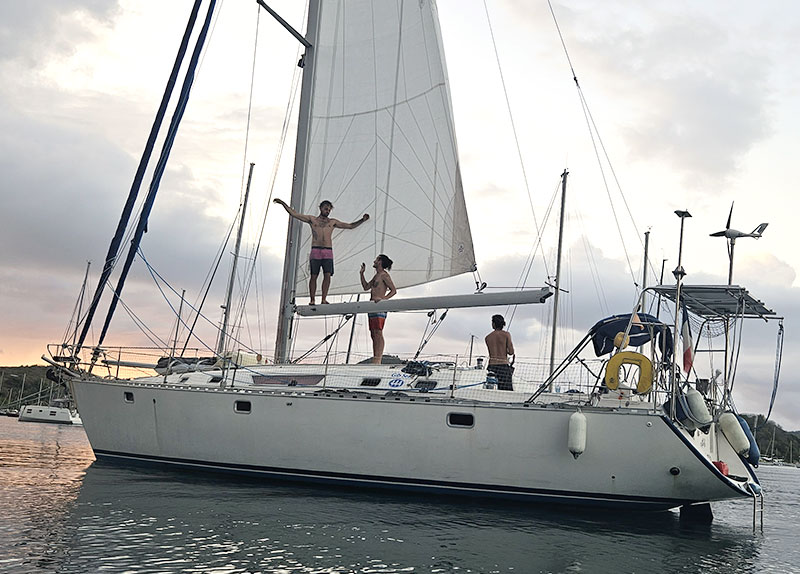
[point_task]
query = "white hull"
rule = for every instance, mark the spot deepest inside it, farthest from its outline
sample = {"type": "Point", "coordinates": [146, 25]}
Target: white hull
{"type": "Point", "coordinates": [634, 457]}
{"type": "Point", "coordinates": [43, 414]}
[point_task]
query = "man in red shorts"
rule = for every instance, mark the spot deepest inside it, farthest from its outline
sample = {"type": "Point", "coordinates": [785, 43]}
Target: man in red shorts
{"type": "Point", "coordinates": [321, 257]}
{"type": "Point", "coordinates": [380, 287]}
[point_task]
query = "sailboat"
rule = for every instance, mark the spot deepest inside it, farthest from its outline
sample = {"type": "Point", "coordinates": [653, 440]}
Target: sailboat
{"type": "Point", "coordinates": [58, 411]}
{"type": "Point", "coordinates": [376, 134]}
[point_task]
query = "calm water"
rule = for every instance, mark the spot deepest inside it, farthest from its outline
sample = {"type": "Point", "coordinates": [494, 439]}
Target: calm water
{"type": "Point", "coordinates": [62, 512]}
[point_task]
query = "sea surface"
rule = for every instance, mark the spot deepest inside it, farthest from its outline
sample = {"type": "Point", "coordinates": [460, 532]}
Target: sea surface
{"type": "Point", "coordinates": [60, 511]}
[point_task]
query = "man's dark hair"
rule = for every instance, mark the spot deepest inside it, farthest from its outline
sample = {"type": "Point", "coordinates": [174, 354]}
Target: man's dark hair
{"type": "Point", "coordinates": [498, 322]}
{"type": "Point", "coordinates": [324, 203]}
{"type": "Point", "coordinates": [386, 263]}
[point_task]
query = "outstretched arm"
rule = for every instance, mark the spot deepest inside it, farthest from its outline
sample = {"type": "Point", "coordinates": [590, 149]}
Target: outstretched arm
{"type": "Point", "coordinates": [301, 216]}
{"type": "Point", "coordinates": [343, 225]}
{"type": "Point", "coordinates": [364, 283]}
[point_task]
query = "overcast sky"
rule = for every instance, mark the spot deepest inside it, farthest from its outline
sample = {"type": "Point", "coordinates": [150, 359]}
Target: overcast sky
{"type": "Point", "coordinates": [695, 103]}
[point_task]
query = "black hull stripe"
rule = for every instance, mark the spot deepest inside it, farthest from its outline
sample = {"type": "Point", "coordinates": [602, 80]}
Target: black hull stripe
{"type": "Point", "coordinates": [410, 484]}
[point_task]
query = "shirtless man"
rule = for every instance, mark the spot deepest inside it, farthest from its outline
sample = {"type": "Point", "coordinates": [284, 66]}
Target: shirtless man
{"type": "Point", "coordinates": [500, 347]}
{"type": "Point", "coordinates": [380, 287]}
{"type": "Point", "coordinates": [322, 227]}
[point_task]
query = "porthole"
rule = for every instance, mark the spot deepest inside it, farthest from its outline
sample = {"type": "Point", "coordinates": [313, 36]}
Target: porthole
{"type": "Point", "coordinates": [128, 397]}
{"type": "Point", "coordinates": [242, 407]}
{"type": "Point", "coordinates": [462, 420]}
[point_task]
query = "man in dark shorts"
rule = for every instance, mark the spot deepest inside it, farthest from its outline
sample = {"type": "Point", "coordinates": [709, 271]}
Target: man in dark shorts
{"type": "Point", "coordinates": [500, 347]}
{"type": "Point", "coordinates": [321, 256]}
{"type": "Point", "coordinates": [380, 287]}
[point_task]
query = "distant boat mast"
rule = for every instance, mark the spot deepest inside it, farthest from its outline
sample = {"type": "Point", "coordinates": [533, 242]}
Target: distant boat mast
{"type": "Point", "coordinates": [558, 275]}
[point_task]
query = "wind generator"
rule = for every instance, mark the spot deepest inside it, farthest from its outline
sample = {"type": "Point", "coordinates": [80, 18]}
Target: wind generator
{"type": "Point", "coordinates": [732, 235]}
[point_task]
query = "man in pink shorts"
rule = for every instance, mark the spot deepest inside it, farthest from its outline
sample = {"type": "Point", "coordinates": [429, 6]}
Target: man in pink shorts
{"type": "Point", "coordinates": [321, 257]}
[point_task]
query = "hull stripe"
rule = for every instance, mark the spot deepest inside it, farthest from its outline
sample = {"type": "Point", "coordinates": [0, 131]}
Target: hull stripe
{"type": "Point", "coordinates": [398, 483]}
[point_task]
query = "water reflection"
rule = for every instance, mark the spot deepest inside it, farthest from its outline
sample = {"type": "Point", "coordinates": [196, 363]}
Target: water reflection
{"type": "Point", "coordinates": [41, 470]}
{"type": "Point", "coordinates": [144, 520]}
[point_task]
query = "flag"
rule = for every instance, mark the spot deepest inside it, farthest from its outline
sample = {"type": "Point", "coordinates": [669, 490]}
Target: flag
{"type": "Point", "coordinates": [688, 346]}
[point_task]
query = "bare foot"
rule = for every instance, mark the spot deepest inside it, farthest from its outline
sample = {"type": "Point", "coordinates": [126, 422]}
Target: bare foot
{"type": "Point", "coordinates": [312, 302]}
{"type": "Point", "coordinates": [324, 302]}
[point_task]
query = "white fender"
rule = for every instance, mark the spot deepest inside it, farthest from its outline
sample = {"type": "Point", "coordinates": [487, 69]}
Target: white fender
{"type": "Point", "coordinates": [698, 408]}
{"type": "Point", "coordinates": [734, 433]}
{"type": "Point", "coordinates": [576, 443]}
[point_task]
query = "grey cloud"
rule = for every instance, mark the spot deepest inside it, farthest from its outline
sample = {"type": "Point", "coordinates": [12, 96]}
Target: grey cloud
{"type": "Point", "coordinates": [30, 31]}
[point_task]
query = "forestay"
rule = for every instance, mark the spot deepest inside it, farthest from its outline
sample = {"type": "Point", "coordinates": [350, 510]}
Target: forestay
{"type": "Point", "coordinates": [381, 141]}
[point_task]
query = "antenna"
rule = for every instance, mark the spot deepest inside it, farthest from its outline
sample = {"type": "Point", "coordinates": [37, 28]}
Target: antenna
{"type": "Point", "coordinates": [732, 235]}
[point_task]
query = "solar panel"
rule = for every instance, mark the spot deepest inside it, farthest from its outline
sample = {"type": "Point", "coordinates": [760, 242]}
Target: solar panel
{"type": "Point", "coordinates": [716, 300]}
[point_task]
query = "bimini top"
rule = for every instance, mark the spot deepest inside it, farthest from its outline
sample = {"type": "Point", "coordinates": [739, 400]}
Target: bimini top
{"type": "Point", "coordinates": [643, 328]}
{"type": "Point", "coordinates": [711, 301]}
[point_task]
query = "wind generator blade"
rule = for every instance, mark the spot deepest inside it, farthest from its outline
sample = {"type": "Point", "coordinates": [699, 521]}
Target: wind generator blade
{"type": "Point", "coordinates": [730, 214]}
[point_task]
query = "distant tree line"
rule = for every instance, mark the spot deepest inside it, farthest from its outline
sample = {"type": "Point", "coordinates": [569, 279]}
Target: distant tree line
{"type": "Point", "coordinates": [786, 444]}
{"type": "Point", "coordinates": [34, 378]}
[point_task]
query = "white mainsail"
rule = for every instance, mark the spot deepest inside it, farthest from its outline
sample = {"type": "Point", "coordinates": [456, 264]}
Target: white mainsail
{"type": "Point", "coordinates": [381, 141]}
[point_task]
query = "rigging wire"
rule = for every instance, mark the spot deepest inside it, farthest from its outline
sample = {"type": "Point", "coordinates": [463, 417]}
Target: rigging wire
{"type": "Point", "coordinates": [343, 322]}
{"type": "Point", "coordinates": [141, 225]}
{"type": "Point", "coordinates": [149, 333]}
{"type": "Point", "coordinates": [112, 256]}
{"type": "Point", "coordinates": [156, 275]}
{"type": "Point", "coordinates": [293, 90]}
{"type": "Point", "coordinates": [70, 332]}
{"type": "Point", "coordinates": [514, 131]}
{"type": "Point", "coordinates": [778, 360]}
{"type": "Point", "coordinates": [206, 287]}
{"type": "Point", "coordinates": [250, 104]}
{"type": "Point", "coordinates": [436, 324]}
{"type": "Point", "coordinates": [511, 310]}
{"type": "Point", "coordinates": [596, 139]}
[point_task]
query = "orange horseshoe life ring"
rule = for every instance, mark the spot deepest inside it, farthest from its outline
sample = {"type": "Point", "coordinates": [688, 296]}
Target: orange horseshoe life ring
{"type": "Point", "coordinates": [645, 381]}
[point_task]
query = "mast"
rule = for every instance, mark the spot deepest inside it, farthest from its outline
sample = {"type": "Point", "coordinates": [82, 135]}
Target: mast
{"type": "Point", "coordinates": [227, 307]}
{"type": "Point", "coordinates": [286, 308]}
{"type": "Point", "coordinates": [644, 270]}
{"type": "Point", "coordinates": [558, 274]}
{"type": "Point", "coordinates": [352, 332]}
